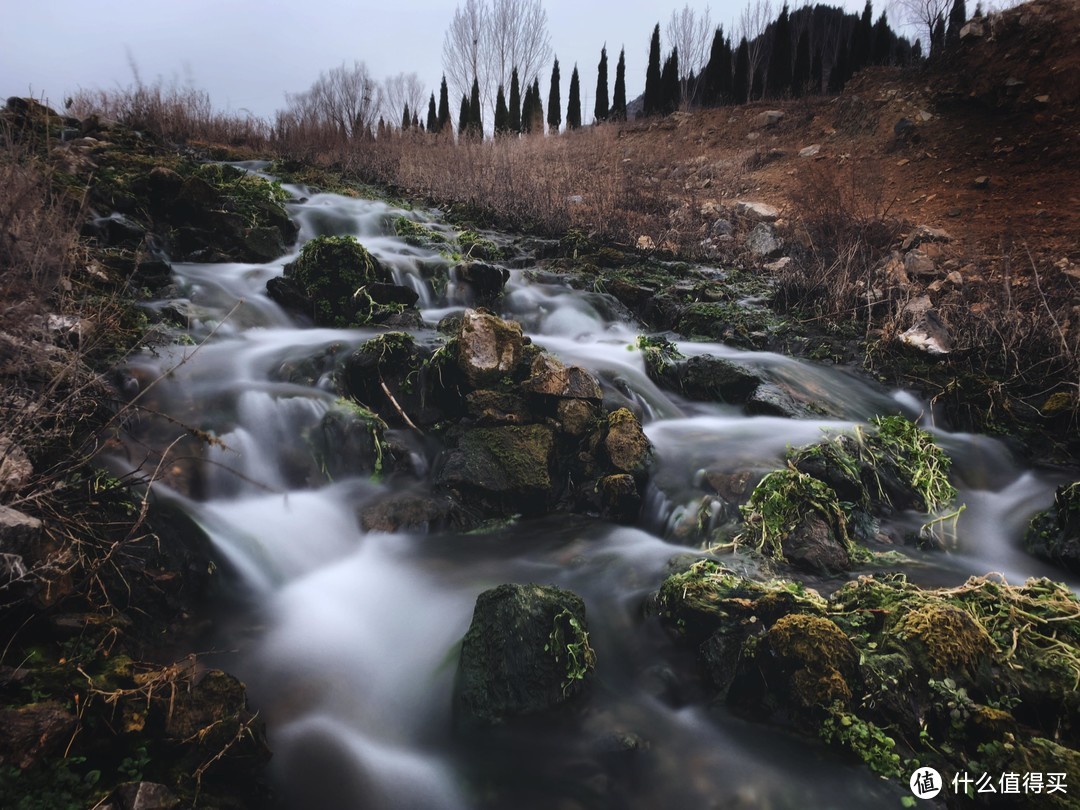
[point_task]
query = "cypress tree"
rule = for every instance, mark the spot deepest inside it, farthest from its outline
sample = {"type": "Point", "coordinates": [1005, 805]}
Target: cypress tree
{"type": "Point", "coordinates": [527, 110]}
{"type": "Point", "coordinates": [669, 84]}
{"type": "Point", "coordinates": [778, 77]}
{"type": "Point", "coordinates": [957, 18]}
{"type": "Point", "coordinates": [538, 108]}
{"type": "Point", "coordinates": [711, 86]}
{"type": "Point", "coordinates": [554, 116]}
{"type": "Point", "coordinates": [415, 121]}
{"type": "Point", "coordinates": [432, 115]}
{"type": "Point", "coordinates": [382, 128]}
{"type": "Point", "coordinates": [514, 114]}
{"type": "Point", "coordinates": [618, 102]}
{"type": "Point", "coordinates": [838, 76]}
{"type": "Point", "coordinates": [883, 41]}
{"type": "Point", "coordinates": [573, 104]}
{"type": "Point", "coordinates": [476, 122]}
{"type": "Point", "coordinates": [600, 109]}
{"type": "Point", "coordinates": [444, 109]}
{"type": "Point", "coordinates": [463, 117]}
{"type": "Point", "coordinates": [741, 79]}
{"type": "Point", "coordinates": [800, 74]}
{"type": "Point", "coordinates": [502, 115]}
{"type": "Point", "coordinates": [817, 71]}
{"type": "Point", "coordinates": [862, 41]}
{"type": "Point", "coordinates": [653, 100]}
{"type": "Point", "coordinates": [937, 39]}
{"type": "Point", "coordinates": [406, 118]}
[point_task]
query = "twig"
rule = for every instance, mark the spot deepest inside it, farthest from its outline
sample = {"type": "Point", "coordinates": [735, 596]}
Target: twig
{"type": "Point", "coordinates": [398, 408]}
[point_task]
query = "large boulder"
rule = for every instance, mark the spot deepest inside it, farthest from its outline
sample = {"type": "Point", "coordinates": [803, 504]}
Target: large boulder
{"type": "Point", "coordinates": [526, 651]}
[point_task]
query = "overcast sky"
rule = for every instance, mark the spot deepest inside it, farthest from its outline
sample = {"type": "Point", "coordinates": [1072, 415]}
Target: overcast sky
{"type": "Point", "coordinates": [247, 54]}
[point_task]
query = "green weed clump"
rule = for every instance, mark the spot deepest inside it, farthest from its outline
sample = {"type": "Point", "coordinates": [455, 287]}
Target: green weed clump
{"type": "Point", "coordinates": [922, 464]}
{"type": "Point", "coordinates": [781, 504]}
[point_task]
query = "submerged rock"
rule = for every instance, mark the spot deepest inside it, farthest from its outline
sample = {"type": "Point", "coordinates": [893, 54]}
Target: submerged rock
{"type": "Point", "coordinates": [526, 651]}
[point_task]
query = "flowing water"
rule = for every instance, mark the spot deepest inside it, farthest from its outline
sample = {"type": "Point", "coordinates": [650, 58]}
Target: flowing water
{"type": "Point", "coordinates": [353, 657]}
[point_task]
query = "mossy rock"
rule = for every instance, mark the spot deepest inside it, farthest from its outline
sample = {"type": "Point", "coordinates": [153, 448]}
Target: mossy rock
{"type": "Point", "coordinates": [943, 639]}
{"type": "Point", "coordinates": [794, 517]}
{"type": "Point", "coordinates": [332, 272]}
{"type": "Point", "coordinates": [703, 377]}
{"type": "Point", "coordinates": [1054, 534]}
{"type": "Point", "coordinates": [527, 651]}
{"type": "Point", "coordinates": [628, 449]}
{"type": "Point", "coordinates": [349, 441]}
{"type": "Point", "coordinates": [507, 470]}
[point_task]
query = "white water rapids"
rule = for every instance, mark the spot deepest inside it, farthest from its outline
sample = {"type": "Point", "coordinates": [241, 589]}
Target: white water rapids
{"type": "Point", "coordinates": [352, 657]}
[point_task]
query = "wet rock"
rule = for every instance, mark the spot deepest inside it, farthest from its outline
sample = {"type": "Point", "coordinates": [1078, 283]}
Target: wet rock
{"type": "Point", "coordinates": [550, 378]}
{"type": "Point", "coordinates": [769, 399]}
{"type": "Point", "coordinates": [619, 498]}
{"type": "Point", "coordinates": [757, 210]}
{"type": "Point", "coordinates": [488, 408]}
{"type": "Point", "coordinates": [625, 444]}
{"type": "Point", "coordinates": [504, 469]}
{"type": "Point", "coordinates": [526, 651]}
{"type": "Point", "coordinates": [144, 796]}
{"type": "Point", "coordinates": [576, 417]}
{"type": "Point", "coordinates": [704, 378]}
{"type": "Point", "coordinates": [814, 546]}
{"type": "Point", "coordinates": [390, 375]}
{"type": "Point", "coordinates": [349, 441]}
{"type": "Point", "coordinates": [288, 295]}
{"type": "Point", "coordinates": [392, 294]}
{"type": "Point", "coordinates": [34, 732]}
{"type": "Point", "coordinates": [115, 231]}
{"type": "Point", "coordinates": [485, 280]}
{"type": "Point", "coordinates": [212, 711]}
{"type": "Point", "coordinates": [488, 348]}
{"type": "Point", "coordinates": [330, 271]}
{"type": "Point", "coordinates": [805, 662]}
{"type": "Point", "coordinates": [762, 241]}
{"type": "Point", "coordinates": [1054, 534]}
{"type": "Point", "coordinates": [410, 512]}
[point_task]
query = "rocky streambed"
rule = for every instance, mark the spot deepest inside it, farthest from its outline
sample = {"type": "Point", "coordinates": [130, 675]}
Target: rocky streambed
{"type": "Point", "coordinates": [507, 545]}
{"type": "Point", "coordinates": [494, 521]}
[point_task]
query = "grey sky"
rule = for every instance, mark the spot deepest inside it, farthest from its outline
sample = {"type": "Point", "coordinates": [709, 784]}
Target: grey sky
{"type": "Point", "coordinates": [247, 54]}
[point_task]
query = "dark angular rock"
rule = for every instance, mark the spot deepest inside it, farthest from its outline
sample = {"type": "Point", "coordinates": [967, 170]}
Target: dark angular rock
{"type": "Point", "coordinates": [32, 733]}
{"type": "Point", "coordinates": [627, 448]}
{"type": "Point", "coordinates": [488, 348]}
{"type": "Point", "coordinates": [1054, 534]}
{"type": "Point", "coordinates": [526, 651]}
{"type": "Point", "coordinates": [507, 469]}
{"type": "Point", "coordinates": [410, 512]}
{"type": "Point", "coordinates": [619, 498]}
{"type": "Point", "coordinates": [486, 280]}
{"type": "Point", "coordinates": [550, 378]}
{"type": "Point", "coordinates": [145, 796]}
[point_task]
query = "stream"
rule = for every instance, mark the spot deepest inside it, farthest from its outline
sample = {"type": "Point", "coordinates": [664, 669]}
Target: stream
{"type": "Point", "coordinates": [351, 654]}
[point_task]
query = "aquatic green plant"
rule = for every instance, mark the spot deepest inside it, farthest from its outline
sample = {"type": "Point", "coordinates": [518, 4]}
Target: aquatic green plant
{"type": "Point", "coordinates": [570, 639]}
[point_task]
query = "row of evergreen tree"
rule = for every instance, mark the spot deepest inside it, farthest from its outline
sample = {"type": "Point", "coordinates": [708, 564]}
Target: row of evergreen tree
{"type": "Point", "coordinates": [809, 51]}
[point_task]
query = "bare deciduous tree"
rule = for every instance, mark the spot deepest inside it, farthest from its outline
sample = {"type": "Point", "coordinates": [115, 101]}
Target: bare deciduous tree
{"type": "Point", "coordinates": [463, 48]}
{"type": "Point", "coordinates": [486, 41]}
{"type": "Point", "coordinates": [753, 21]}
{"type": "Point", "coordinates": [399, 90]}
{"type": "Point", "coordinates": [343, 102]}
{"type": "Point", "coordinates": [921, 14]}
{"type": "Point", "coordinates": [690, 32]}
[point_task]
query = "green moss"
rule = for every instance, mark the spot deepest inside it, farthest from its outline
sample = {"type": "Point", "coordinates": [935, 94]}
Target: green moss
{"type": "Point", "coordinates": [943, 638]}
{"type": "Point", "coordinates": [246, 194]}
{"type": "Point", "coordinates": [332, 271]}
{"type": "Point", "coordinates": [923, 465]}
{"type": "Point", "coordinates": [658, 353]}
{"type": "Point", "coordinates": [474, 246]}
{"type": "Point", "coordinates": [781, 503]}
{"type": "Point", "coordinates": [416, 234]}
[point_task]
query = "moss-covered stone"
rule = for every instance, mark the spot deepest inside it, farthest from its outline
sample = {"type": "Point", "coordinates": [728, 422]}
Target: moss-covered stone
{"type": "Point", "coordinates": [332, 273]}
{"type": "Point", "coordinates": [505, 469]}
{"type": "Point", "coordinates": [625, 443]}
{"type": "Point", "coordinates": [1054, 534]}
{"type": "Point", "coordinates": [527, 651]}
{"type": "Point", "coordinates": [942, 639]}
